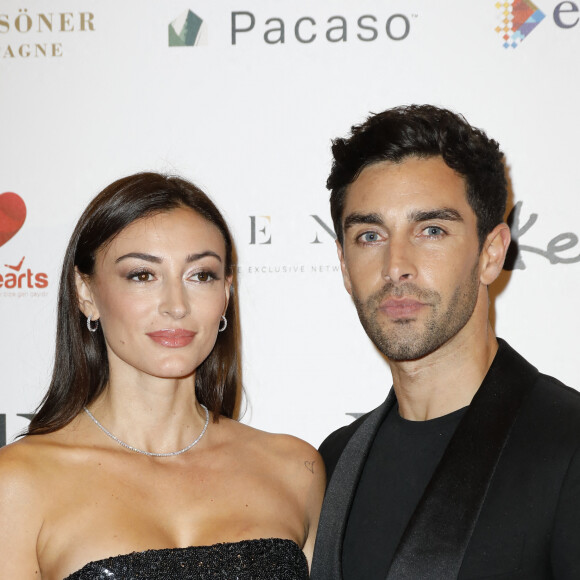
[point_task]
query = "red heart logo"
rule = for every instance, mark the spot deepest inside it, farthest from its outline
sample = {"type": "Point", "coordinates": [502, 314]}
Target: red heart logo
{"type": "Point", "coordinates": [12, 215]}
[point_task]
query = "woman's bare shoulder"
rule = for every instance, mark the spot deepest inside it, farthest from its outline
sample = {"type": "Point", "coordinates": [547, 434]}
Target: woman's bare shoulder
{"type": "Point", "coordinates": [22, 497]}
{"type": "Point", "coordinates": [288, 453]}
{"type": "Point", "coordinates": [23, 464]}
{"type": "Point", "coordinates": [297, 466]}
{"type": "Point", "coordinates": [31, 465]}
{"type": "Point", "coordinates": [277, 443]}
{"type": "Point", "coordinates": [16, 457]}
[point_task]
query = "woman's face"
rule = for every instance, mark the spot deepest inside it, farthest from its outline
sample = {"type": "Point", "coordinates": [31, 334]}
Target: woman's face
{"type": "Point", "coordinates": [159, 290]}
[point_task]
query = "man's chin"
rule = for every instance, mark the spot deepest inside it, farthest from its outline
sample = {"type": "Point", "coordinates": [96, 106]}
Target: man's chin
{"type": "Point", "coordinates": [404, 349]}
{"type": "Point", "coordinates": [406, 356]}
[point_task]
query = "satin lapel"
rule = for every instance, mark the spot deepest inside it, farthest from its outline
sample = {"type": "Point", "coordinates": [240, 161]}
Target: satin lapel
{"type": "Point", "coordinates": [434, 543]}
{"type": "Point", "coordinates": [327, 560]}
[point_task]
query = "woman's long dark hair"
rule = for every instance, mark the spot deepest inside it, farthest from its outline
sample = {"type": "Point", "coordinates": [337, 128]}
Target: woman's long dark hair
{"type": "Point", "coordinates": [81, 367]}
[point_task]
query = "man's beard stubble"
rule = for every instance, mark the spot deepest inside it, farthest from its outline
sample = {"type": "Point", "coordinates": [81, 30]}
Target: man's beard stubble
{"type": "Point", "coordinates": [402, 342]}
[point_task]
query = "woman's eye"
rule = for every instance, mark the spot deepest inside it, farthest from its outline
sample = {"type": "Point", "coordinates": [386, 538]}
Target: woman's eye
{"type": "Point", "coordinates": [141, 276]}
{"type": "Point", "coordinates": [203, 277]}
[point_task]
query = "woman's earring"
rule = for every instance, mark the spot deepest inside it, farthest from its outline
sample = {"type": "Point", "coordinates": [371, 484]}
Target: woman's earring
{"type": "Point", "coordinates": [90, 327]}
{"type": "Point", "coordinates": [223, 326]}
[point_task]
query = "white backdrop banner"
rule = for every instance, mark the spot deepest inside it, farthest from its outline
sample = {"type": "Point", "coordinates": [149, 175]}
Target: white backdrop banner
{"type": "Point", "coordinates": [243, 97]}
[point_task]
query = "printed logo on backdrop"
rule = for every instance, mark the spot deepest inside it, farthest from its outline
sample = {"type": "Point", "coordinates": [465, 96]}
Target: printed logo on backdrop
{"type": "Point", "coordinates": [276, 29]}
{"type": "Point", "coordinates": [518, 18]}
{"type": "Point", "coordinates": [3, 425]}
{"type": "Point", "coordinates": [28, 34]}
{"type": "Point", "coordinates": [188, 29]}
{"type": "Point", "coordinates": [263, 231]}
{"type": "Point", "coordinates": [12, 215]}
{"type": "Point", "coordinates": [17, 280]}
{"type": "Point", "coordinates": [561, 249]}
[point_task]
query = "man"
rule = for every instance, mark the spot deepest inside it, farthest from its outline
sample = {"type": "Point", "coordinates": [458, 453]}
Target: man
{"type": "Point", "coordinates": [470, 468]}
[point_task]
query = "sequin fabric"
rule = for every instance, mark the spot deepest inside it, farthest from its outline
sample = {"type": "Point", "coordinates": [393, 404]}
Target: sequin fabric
{"type": "Point", "coordinates": [264, 559]}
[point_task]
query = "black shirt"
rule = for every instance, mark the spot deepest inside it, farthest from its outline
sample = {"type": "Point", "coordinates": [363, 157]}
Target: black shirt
{"type": "Point", "coordinates": [400, 464]}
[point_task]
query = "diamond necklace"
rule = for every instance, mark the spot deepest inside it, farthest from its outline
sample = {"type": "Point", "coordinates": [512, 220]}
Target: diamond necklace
{"type": "Point", "coordinates": [131, 448]}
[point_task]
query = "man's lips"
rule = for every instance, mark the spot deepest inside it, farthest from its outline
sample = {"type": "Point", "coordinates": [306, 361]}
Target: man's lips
{"type": "Point", "coordinates": [401, 307]}
{"type": "Point", "coordinates": [172, 337]}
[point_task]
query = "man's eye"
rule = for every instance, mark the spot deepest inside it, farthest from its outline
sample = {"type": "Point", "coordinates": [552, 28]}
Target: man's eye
{"type": "Point", "coordinates": [369, 237]}
{"type": "Point", "coordinates": [434, 231]}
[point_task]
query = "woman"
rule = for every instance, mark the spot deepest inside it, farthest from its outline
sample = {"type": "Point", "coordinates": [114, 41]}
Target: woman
{"type": "Point", "coordinates": [133, 466]}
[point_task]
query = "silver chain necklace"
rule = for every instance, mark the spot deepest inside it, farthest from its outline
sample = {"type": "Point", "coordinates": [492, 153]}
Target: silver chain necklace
{"type": "Point", "coordinates": [148, 453]}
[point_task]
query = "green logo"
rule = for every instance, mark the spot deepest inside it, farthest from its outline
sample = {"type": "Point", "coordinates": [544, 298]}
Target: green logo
{"type": "Point", "coordinates": [188, 29]}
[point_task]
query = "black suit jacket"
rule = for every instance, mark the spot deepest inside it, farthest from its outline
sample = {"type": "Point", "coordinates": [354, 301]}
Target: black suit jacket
{"type": "Point", "coordinates": [504, 501]}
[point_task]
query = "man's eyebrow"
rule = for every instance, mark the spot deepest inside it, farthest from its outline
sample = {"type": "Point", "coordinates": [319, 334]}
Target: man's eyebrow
{"type": "Point", "coordinates": [444, 213]}
{"type": "Point", "coordinates": [416, 216]}
{"type": "Point", "coordinates": [157, 260]}
{"type": "Point", "coordinates": [362, 218]}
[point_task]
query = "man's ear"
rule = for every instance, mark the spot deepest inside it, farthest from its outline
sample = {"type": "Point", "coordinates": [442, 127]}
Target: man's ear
{"type": "Point", "coordinates": [345, 276]}
{"type": "Point", "coordinates": [85, 296]}
{"type": "Point", "coordinates": [493, 253]}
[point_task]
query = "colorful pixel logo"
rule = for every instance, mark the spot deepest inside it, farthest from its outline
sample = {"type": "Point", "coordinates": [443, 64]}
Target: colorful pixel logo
{"type": "Point", "coordinates": [188, 29]}
{"type": "Point", "coordinates": [518, 18]}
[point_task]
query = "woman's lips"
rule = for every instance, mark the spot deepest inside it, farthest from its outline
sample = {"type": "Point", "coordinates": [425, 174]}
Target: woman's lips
{"type": "Point", "coordinates": [172, 337]}
{"type": "Point", "coordinates": [401, 307]}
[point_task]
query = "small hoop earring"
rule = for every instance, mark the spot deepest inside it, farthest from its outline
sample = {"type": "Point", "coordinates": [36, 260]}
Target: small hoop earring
{"type": "Point", "coordinates": [221, 327]}
{"type": "Point", "coordinates": [90, 326]}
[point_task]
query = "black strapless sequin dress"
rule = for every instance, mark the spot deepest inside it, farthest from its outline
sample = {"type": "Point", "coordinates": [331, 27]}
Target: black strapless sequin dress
{"type": "Point", "coordinates": [264, 559]}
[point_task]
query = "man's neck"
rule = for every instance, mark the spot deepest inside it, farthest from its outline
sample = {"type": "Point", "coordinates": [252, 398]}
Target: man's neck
{"type": "Point", "coordinates": [445, 380]}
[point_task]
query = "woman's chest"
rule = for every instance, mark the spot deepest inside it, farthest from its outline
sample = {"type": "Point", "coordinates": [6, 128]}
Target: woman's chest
{"type": "Point", "coordinates": [103, 514]}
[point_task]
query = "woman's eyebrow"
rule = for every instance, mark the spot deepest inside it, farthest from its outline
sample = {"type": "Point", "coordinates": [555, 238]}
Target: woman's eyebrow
{"type": "Point", "coordinates": [195, 257]}
{"type": "Point", "coordinates": [140, 256]}
{"type": "Point", "coordinates": [158, 260]}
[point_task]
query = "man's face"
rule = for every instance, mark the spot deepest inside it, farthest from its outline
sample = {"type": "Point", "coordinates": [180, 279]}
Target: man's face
{"type": "Point", "coordinates": [410, 256]}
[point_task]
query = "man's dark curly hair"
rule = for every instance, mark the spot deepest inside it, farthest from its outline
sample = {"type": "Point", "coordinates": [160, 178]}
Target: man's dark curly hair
{"type": "Point", "coordinates": [423, 131]}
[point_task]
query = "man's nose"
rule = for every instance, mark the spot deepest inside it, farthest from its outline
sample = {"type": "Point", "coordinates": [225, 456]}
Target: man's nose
{"type": "Point", "coordinates": [399, 263]}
